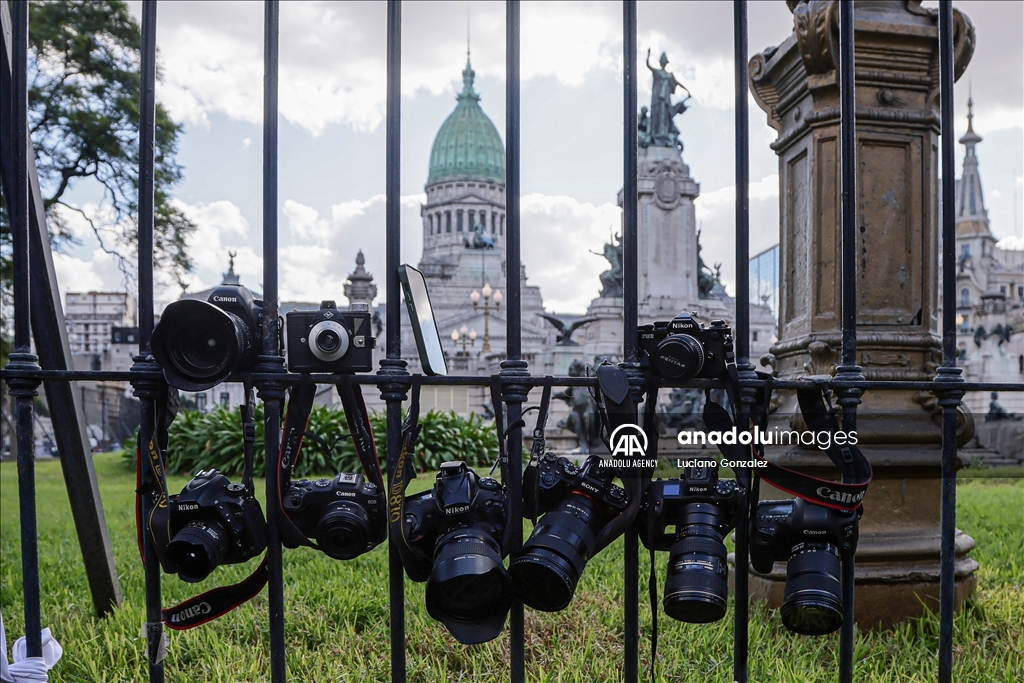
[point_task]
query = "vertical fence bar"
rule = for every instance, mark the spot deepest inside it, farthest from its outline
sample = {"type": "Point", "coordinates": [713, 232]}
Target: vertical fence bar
{"type": "Point", "coordinates": [631, 545]}
{"type": "Point", "coordinates": [848, 398]}
{"type": "Point", "coordinates": [148, 391]}
{"type": "Point", "coordinates": [742, 336]}
{"type": "Point", "coordinates": [23, 391]}
{"type": "Point", "coordinates": [514, 368]}
{"type": "Point", "coordinates": [950, 399]}
{"type": "Point", "coordinates": [394, 393]}
{"type": "Point", "coordinates": [272, 392]}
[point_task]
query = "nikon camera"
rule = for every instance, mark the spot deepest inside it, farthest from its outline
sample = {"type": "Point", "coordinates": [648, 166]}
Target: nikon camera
{"type": "Point", "coordinates": [682, 349]}
{"type": "Point", "coordinates": [345, 514]}
{"type": "Point", "coordinates": [814, 540]}
{"type": "Point", "coordinates": [460, 523]}
{"type": "Point", "coordinates": [577, 502]}
{"type": "Point", "coordinates": [702, 508]}
{"type": "Point", "coordinates": [213, 522]}
{"type": "Point", "coordinates": [328, 340]}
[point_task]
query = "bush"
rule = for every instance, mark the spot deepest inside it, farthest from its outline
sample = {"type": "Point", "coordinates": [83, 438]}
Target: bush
{"type": "Point", "coordinates": [199, 441]}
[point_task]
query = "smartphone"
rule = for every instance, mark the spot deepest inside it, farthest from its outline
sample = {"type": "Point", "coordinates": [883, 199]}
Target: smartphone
{"type": "Point", "coordinates": [421, 315]}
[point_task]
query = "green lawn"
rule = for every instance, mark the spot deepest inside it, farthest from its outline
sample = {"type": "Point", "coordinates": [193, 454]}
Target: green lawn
{"type": "Point", "coordinates": [337, 613]}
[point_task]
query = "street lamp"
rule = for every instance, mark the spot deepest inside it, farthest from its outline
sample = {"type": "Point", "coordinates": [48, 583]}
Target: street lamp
{"type": "Point", "coordinates": [488, 295]}
{"type": "Point", "coordinates": [467, 336]}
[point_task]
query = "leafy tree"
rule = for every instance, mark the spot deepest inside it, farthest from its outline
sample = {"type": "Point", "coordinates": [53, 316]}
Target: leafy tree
{"type": "Point", "coordinates": [84, 120]}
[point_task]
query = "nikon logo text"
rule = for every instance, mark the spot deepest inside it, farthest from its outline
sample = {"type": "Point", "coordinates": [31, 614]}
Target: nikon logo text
{"type": "Point", "coordinates": [456, 509]}
{"type": "Point", "coordinates": [190, 612]}
{"type": "Point", "coordinates": [628, 440]}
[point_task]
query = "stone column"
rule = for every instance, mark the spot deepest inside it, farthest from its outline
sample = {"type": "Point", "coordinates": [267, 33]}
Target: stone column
{"type": "Point", "coordinates": [797, 85]}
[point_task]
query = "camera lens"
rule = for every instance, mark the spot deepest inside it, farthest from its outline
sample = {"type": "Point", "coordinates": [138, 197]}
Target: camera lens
{"type": "Point", "coordinates": [198, 344]}
{"type": "Point", "coordinates": [697, 587]}
{"type": "Point", "coordinates": [328, 340]}
{"type": "Point", "coordinates": [198, 549]}
{"type": "Point", "coordinates": [679, 356]}
{"type": "Point", "coordinates": [344, 531]}
{"type": "Point", "coordinates": [813, 602]}
{"type": "Point", "coordinates": [469, 590]}
{"type": "Point", "coordinates": [548, 567]}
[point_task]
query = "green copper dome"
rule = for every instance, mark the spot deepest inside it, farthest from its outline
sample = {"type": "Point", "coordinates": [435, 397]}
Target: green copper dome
{"type": "Point", "coordinates": [468, 145]}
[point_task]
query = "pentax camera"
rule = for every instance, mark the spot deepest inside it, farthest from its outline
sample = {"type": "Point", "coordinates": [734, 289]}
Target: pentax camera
{"type": "Point", "coordinates": [199, 343]}
{"type": "Point", "coordinates": [814, 540]}
{"type": "Point", "coordinates": [576, 503]}
{"type": "Point", "coordinates": [346, 515]}
{"type": "Point", "coordinates": [682, 349]}
{"type": "Point", "coordinates": [213, 522]}
{"type": "Point", "coordinates": [328, 340]}
{"type": "Point", "coordinates": [459, 523]}
{"type": "Point", "coordinates": [702, 508]}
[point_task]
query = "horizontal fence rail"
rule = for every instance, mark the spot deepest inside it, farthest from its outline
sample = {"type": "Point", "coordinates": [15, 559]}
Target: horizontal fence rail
{"type": "Point", "coordinates": [272, 380]}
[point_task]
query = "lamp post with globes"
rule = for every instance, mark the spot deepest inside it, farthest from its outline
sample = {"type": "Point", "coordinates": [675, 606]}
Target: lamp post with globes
{"type": "Point", "coordinates": [467, 336]}
{"type": "Point", "coordinates": [488, 296]}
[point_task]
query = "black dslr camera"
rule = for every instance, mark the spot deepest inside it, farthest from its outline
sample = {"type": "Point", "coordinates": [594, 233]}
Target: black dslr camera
{"type": "Point", "coordinates": [459, 523]}
{"type": "Point", "coordinates": [814, 540]}
{"type": "Point", "coordinates": [214, 522]}
{"type": "Point", "coordinates": [329, 340]}
{"type": "Point", "coordinates": [346, 515]}
{"type": "Point", "coordinates": [199, 343]}
{"type": "Point", "coordinates": [576, 502]}
{"type": "Point", "coordinates": [682, 349]}
{"type": "Point", "coordinates": [702, 508]}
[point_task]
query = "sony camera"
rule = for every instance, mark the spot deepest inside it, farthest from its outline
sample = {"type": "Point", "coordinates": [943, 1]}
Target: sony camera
{"type": "Point", "coordinates": [460, 523]}
{"type": "Point", "coordinates": [213, 522]}
{"type": "Point", "coordinates": [576, 503]}
{"type": "Point", "coordinates": [814, 540]}
{"type": "Point", "coordinates": [346, 515]}
{"type": "Point", "coordinates": [200, 343]}
{"type": "Point", "coordinates": [328, 340]}
{"type": "Point", "coordinates": [682, 349]}
{"type": "Point", "coordinates": [702, 508]}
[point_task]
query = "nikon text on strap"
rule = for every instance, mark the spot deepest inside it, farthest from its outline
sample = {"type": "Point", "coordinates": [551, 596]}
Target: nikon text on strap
{"type": "Point", "coordinates": [417, 564]}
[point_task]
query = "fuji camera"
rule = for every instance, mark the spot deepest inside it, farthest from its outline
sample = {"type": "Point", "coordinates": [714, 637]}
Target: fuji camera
{"type": "Point", "coordinates": [702, 508]}
{"type": "Point", "coordinates": [814, 540]}
{"type": "Point", "coordinates": [460, 523]}
{"type": "Point", "coordinates": [213, 522]}
{"type": "Point", "coordinates": [682, 349]}
{"type": "Point", "coordinates": [346, 515]}
{"type": "Point", "coordinates": [200, 343]}
{"type": "Point", "coordinates": [577, 502]}
{"type": "Point", "coordinates": [328, 340]}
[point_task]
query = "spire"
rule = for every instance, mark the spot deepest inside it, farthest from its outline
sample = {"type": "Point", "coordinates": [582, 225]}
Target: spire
{"type": "Point", "coordinates": [468, 93]}
{"type": "Point", "coordinates": [360, 287]}
{"type": "Point", "coordinates": [970, 202]}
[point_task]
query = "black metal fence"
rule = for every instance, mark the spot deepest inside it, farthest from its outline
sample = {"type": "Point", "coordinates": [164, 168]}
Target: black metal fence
{"type": "Point", "coordinates": [24, 375]}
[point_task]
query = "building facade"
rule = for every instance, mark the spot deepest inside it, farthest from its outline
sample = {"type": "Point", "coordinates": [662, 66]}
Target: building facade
{"type": "Point", "coordinates": [91, 317]}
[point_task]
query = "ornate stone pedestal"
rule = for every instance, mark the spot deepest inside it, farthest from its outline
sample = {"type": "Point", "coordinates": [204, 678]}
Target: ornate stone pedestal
{"type": "Point", "coordinates": [796, 83]}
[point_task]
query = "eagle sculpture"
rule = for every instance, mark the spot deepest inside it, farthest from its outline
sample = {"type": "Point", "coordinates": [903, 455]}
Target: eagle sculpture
{"type": "Point", "coordinates": [566, 329]}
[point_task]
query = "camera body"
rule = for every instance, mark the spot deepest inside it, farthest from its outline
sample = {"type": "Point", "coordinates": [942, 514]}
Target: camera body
{"type": "Point", "coordinates": [682, 349]}
{"type": "Point", "coordinates": [780, 526]}
{"type": "Point", "coordinates": [667, 500]}
{"type": "Point", "coordinates": [814, 539]}
{"type": "Point", "coordinates": [559, 477]}
{"type": "Point", "coordinates": [346, 515]}
{"type": "Point", "coordinates": [329, 340]}
{"type": "Point", "coordinates": [212, 522]}
{"type": "Point", "coordinates": [460, 498]}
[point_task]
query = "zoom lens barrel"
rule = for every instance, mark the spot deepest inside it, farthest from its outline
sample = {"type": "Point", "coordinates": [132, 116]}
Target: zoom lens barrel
{"type": "Point", "coordinates": [344, 531]}
{"type": "Point", "coordinates": [198, 549]}
{"type": "Point", "coordinates": [813, 601]}
{"type": "Point", "coordinates": [549, 566]}
{"type": "Point", "coordinates": [697, 585]}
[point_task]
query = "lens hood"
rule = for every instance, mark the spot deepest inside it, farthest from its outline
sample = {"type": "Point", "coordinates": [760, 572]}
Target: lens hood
{"type": "Point", "coordinates": [197, 344]}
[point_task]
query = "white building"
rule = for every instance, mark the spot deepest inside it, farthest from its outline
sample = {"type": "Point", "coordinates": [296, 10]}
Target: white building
{"type": "Point", "coordinates": [91, 317]}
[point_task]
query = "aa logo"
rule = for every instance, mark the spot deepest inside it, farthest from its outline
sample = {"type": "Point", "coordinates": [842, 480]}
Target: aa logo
{"type": "Point", "coordinates": [629, 440]}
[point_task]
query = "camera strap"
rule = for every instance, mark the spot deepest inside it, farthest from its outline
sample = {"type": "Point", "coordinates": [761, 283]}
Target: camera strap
{"type": "Point", "coordinates": [503, 432]}
{"type": "Point", "coordinates": [531, 476]}
{"type": "Point", "coordinates": [218, 601]}
{"type": "Point", "coordinates": [417, 564]}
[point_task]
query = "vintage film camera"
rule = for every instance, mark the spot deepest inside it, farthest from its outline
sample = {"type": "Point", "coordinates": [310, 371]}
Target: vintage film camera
{"type": "Point", "coordinates": [682, 349]}
{"type": "Point", "coordinates": [459, 523]}
{"type": "Point", "coordinates": [576, 502]}
{"type": "Point", "coordinates": [814, 540]}
{"type": "Point", "coordinates": [213, 522]}
{"type": "Point", "coordinates": [328, 340]}
{"type": "Point", "coordinates": [346, 515]}
{"type": "Point", "coordinates": [702, 508]}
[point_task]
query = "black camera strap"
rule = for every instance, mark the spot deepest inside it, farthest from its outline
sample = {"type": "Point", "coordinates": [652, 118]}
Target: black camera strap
{"type": "Point", "coordinates": [503, 432]}
{"type": "Point", "coordinates": [213, 603]}
{"type": "Point", "coordinates": [531, 476]}
{"type": "Point", "coordinates": [417, 563]}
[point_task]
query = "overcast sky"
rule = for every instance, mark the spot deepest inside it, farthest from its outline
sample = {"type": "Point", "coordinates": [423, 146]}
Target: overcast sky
{"type": "Point", "coordinates": [332, 97]}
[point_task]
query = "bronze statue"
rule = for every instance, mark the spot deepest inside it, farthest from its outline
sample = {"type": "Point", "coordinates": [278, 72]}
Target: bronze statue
{"type": "Point", "coordinates": [661, 130]}
{"type": "Point", "coordinates": [566, 329]}
{"type": "Point", "coordinates": [997, 412]}
{"type": "Point", "coordinates": [611, 279]}
{"type": "Point", "coordinates": [581, 420]}
{"type": "Point", "coordinates": [476, 239]}
{"type": "Point", "coordinates": [705, 276]}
